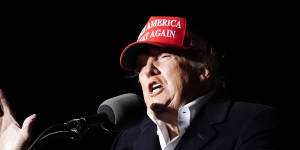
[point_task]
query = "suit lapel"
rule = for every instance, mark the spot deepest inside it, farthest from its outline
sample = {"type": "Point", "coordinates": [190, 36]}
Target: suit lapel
{"type": "Point", "coordinates": [202, 128]}
{"type": "Point", "coordinates": [148, 139]}
{"type": "Point", "coordinates": [197, 135]}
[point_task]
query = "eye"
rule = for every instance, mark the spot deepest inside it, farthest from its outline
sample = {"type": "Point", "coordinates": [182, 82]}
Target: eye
{"type": "Point", "coordinates": [164, 57]}
{"type": "Point", "coordinates": [139, 67]}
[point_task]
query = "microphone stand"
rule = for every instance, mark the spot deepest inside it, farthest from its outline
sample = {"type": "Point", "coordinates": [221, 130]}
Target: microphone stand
{"type": "Point", "coordinates": [73, 129]}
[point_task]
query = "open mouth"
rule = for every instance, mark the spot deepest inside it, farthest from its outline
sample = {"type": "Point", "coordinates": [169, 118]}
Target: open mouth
{"type": "Point", "coordinates": [155, 88]}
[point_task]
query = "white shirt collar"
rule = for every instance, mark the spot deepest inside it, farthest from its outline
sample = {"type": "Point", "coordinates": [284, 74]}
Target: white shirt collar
{"type": "Point", "coordinates": [186, 114]}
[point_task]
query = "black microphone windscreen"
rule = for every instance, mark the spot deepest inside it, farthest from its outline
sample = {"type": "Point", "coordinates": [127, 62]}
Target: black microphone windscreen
{"type": "Point", "coordinates": [123, 111]}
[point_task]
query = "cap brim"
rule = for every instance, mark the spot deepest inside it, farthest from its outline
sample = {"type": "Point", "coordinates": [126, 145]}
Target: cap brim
{"type": "Point", "coordinates": [129, 54]}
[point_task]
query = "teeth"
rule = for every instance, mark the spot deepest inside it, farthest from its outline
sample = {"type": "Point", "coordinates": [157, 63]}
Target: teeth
{"type": "Point", "coordinates": [155, 90]}
{"type": "Point", "coordinates": [155, 87]}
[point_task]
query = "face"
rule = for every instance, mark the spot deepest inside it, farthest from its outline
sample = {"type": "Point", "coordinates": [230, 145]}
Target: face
{"type": "Point", "coordinates": [167, 81]}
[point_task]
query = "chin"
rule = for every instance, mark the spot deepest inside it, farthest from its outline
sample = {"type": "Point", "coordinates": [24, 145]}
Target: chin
{"type": "Point", "coordinates": [163, 112]}
{"type": "Point", "coordinates": [157, 107]}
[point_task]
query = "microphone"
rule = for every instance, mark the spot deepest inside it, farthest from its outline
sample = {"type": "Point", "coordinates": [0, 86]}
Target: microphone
{"type": "Point", "coordinates": [114, 114]}
{"type": "Point", "coordinates": [122, 111]}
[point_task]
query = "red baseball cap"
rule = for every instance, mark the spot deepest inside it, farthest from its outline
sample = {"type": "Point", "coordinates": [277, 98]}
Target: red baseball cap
{"type": "Point", "coordinates": [161, 31]}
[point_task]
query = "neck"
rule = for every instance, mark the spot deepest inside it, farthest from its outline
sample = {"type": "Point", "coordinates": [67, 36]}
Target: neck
{"type": "Point", "coordinates": [173, 130]}
{"type": "Point", "coordinates": [171, 122]}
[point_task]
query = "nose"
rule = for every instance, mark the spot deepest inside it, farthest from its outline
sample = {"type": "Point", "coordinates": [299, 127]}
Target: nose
{"type": "Point", "coordinates": [151, 67]}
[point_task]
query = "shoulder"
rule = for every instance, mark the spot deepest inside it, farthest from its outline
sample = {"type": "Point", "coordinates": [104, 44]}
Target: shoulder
{"type": "Point", "coordinates": [254, 113]}
{"type": "Point", "coordinates": [126, 138]}
{"type": "Point", "coordinates": [139, 128]}
{"type": "Point", "coordinates": [146, 124]}
{"type": "Point", "coordinates": [255, 121]}
{"type": "Point", "coordinates": [220, 102]}
{"type": "Point", "coordinates": [249, 118]}
{"type": "Point", "coordinates": [244, 123]}
{"type": "Point", "coordinates": [240, 112]}
{"type": "Point", "coordinates": [249, 108]}
{"type": "Point", "coordinates": [239, 107]}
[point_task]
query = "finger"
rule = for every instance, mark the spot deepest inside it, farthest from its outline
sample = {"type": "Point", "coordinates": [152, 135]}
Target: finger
{"type": "Point", "coordinates": [27, 124]}
{"type": "Point", "coordinates": [1, 108]}
{"type": "Point", "coordinates": [4, 104]}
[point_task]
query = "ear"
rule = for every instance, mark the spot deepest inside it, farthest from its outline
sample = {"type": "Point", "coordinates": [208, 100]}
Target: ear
{"type": "Point", "coordinates": [205, 74]}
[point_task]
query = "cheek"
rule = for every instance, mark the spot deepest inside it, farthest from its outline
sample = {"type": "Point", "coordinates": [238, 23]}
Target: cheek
{"type": "Point", "coordinates": [174, 76]}
{"type": "Point", "coordinates": [177, 79]}
{"type": "Point", "coordinates": [145, 90]}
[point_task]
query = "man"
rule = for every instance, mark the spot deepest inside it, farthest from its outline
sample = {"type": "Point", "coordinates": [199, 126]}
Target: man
{"type": "Point", "coordinates": [178, 76]}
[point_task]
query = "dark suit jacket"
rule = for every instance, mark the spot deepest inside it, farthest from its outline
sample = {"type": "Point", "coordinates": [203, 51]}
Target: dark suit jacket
{"type": "Point", "coordinates": [220, 125]}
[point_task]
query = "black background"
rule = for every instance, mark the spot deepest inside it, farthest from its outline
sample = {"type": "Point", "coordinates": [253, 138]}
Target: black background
{"type": "Point", "coordinates": [61, 62]}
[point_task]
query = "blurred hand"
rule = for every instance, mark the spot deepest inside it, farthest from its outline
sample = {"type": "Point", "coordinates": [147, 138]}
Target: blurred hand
{"type": "Point", "coordinates": [12, 136]}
